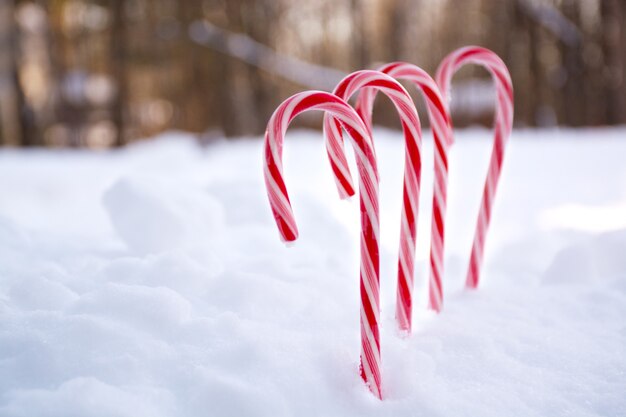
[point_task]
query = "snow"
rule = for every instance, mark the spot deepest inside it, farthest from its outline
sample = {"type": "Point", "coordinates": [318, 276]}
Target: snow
{"type": "Point", "coordinates": [151, 281]}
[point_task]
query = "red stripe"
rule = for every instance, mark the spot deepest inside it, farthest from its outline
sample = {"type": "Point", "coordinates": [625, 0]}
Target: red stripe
{"type": "Point", "coordinates": [434, 99]}
{"type": "Point", "coordinates": [341, 87]}
{"type": "Point", "coordinates": [441, 151]}
{"type": "Point", "coordinates": [383, 83]}
{"type": "Point", "coordinates": [498, 146]}
{"type": "Point", "coordinates": [413, 153]}
{"type": "Point", "coordinates": [284, 228]}
{"type": "Point", "coordinates": [315, 99]}
{"type": "Point", "coordinates": [434, 300]}
{"type": "Point", "coordinates": [391, 66]}
{"type": "Point", "coordinates": [404, 291]}
{"type": "Point", "coordinates": [274, 170]}
{"type": "Point", "coordinates": [438, 219]}
{"type": "Point", "coordinates": [472, 277]}
{"type": "Point", "coordinates": [504, 83]}
{"type": "Point", "coordinates": [345, 183]}
{"type": "Point", "coordinates": [467, 54]}
{"type": "Point", "coordinates": [371, 244]}
{"type": "Point", "coordinates": [408, 212]}
{"type": "Point", "coordinates": [434, 268]}
{"type": "Point", "coordinates": [367, 307]}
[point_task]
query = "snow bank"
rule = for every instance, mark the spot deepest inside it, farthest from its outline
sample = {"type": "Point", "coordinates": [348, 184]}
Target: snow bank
{"type": "Point", "coordinates": [152, 282]}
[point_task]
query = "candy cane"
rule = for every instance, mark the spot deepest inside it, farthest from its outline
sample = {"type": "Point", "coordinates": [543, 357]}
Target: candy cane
{"type": "Point", "coordinates": [442, 130]}
{"type": "Point", "coordinates": [503, 125]}
{"type": "Point", "coordinates": [368, 195]}
{"type": "Point", "coordinates": [377, 81]}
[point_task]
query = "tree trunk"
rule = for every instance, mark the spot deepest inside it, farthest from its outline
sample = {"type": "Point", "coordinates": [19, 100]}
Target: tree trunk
{"type": "Point", "coordinates": [360, 56]}
{"type": "Point", "coordinates": [9, 130]}
{"type": "Point", "coordinates": [573, 94]}
{"type": "Point", "coordinates": [118, 62]}
{"type": "Point", "coordinates": [612, 12]}
{"type": "Point", "coordinates": [396, 29]}
{"type": "Point", "coordinates": [19, 123]}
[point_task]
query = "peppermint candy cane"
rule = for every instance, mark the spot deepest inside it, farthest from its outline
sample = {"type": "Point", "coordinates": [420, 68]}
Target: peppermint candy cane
{"type": "Point", "coordinates": [503, 125]}
{"type": "Point", "coordinates": [442, 130]}
{"type": "Point", "coordinates": [377, 81]}
{"type": "Point", "coordinates": [368, 195]}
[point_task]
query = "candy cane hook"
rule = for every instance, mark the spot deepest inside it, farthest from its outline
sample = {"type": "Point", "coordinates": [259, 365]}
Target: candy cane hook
{"type": "Point", "coordinates": [368, 196]}
{"type": "Point", "coordinates": [377, 81]}
{"type": "Point", "coordinates": [442, 130]}
{"type": "Point", "coordinates": [503, 125]}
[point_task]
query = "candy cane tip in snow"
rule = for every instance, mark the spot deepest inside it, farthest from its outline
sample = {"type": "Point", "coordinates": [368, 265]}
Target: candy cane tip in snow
{"type": "Point", "coordinates": [377, 81]}
{"type": "Point", "coordinates": [441, 128]}
{"type": "Point", "coordinates": [502, 125]}
{"type": "Point", "coordinates": [368, 195]}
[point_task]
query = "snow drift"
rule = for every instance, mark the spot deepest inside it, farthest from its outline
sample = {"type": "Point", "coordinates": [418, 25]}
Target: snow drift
{"type": "Point", "coordinates": [151, 282]}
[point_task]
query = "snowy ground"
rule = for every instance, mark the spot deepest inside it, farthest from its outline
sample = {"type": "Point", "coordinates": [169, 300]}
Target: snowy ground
{"type": "Point", "coordinates": [152, 282]}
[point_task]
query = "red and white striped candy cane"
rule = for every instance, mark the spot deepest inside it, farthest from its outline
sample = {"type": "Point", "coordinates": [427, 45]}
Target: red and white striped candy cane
{"type": "Point", "coordinates": [377, 81]}
{"type": "Point", "coordinates": [442, 130]}
{"type": "Point", "coordinates": [503, 125]}
{"type": "Point", "coordinates": [368, 196]}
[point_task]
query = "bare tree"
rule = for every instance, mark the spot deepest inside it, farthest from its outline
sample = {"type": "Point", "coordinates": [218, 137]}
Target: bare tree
{"type": "Point", "coordinates": [573, 100]}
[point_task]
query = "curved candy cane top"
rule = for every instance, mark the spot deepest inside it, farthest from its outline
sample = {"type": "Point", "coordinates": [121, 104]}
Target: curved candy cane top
{"type": "Point", "coordinates": [503, 126]}
{"type": "Point", "coordinates": [274, 136]}
{"type": "Point", "coordinates": [402, 101]}
{"type": "Point", "coordinates": [492, 62]}
{"type": "Point", "coordinates": [368, 196]}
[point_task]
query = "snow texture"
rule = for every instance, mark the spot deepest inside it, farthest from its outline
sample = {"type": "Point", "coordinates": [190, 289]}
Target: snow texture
{"type": "Point", "coordinates": [151, 281]}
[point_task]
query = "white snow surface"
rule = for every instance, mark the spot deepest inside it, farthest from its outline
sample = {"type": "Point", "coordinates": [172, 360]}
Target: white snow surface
{"type": "Point", "coordinates": [151, 281]}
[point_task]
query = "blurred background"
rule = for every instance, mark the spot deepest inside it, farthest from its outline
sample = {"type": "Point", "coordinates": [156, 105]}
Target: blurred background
{"type": "Point", "coordinates": [99, 74]}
